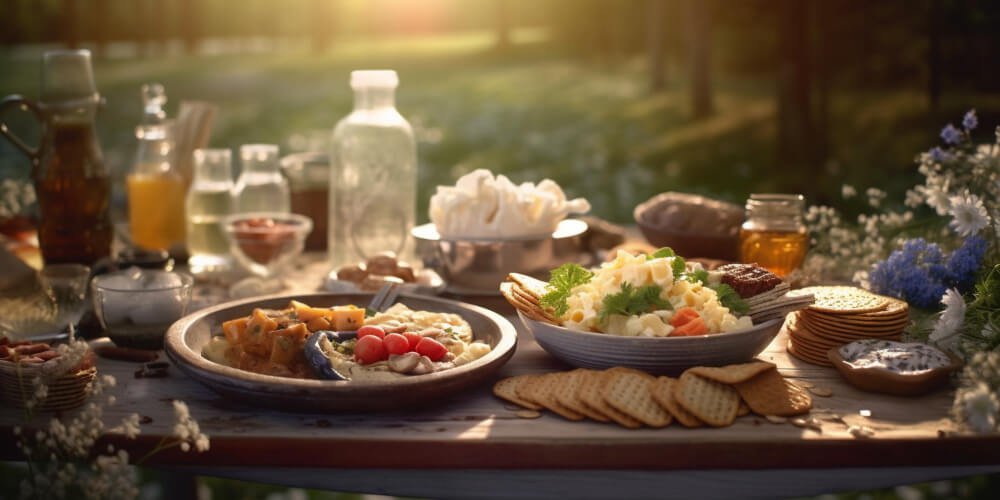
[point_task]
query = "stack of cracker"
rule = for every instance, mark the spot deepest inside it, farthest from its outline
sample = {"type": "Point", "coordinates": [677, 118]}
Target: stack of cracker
{"type": "Point", "coordinates": [701, 396]}
{"type": "Point", "coordinates": [525, 293]}
{"type": "Point", "coordinates": [841, 315]}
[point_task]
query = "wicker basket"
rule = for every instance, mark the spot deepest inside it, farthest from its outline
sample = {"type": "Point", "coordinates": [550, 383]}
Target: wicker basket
{"type": "Point", "coordinates": [65, 392]}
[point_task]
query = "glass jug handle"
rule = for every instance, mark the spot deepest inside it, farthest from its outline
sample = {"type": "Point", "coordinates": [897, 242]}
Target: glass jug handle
{"type": "Point", "coordinates": [23, 104]}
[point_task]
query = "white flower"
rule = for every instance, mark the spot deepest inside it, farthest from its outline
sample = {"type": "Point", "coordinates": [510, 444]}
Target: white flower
{"type": "Point", "coordinates": [946, 329]}
{"type": "Point", "coordinates": [847, 191]}
{"type": "Point", "coordinates": [875, 197]}
{"type": "Point", "coordinates": [969, 215]}
{"type": "Point", "coordinates": [980, 407]}
{"type": "Point", "coordinates": [186, 429]}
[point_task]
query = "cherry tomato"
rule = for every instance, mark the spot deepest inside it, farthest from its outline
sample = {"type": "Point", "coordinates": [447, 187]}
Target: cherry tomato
{"type": "Point", "coordinates": [396, 344]}
{"type": "Point", "coordinates": [370, 349]}
{"type": "Point", "coordinates": [431, 348]}
{"type": "Point", "coordinates": [367, 330]}
{"type": "Point", "coordinates": [414, 339]}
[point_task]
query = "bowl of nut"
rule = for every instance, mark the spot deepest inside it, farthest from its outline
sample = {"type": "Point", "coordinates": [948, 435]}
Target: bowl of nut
{"type": "Point", "coordinates": [374, 272]}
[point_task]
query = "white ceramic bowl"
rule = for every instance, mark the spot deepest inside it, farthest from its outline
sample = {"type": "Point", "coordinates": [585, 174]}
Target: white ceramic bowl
{"type": "Point", "coordinates": [660, 355]}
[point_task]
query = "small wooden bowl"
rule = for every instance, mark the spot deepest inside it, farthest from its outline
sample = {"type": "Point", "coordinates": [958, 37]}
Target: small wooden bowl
{"type": "Point", "coordinates": [888, 382]}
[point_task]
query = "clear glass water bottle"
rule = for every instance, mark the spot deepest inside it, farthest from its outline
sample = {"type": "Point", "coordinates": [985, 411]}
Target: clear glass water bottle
{"type": "Point", "coordinates": [209, 200]}
{"type": "Point", "coordinates": [261, 187]}
{"type": "Point", "coordinates": [373, 176]}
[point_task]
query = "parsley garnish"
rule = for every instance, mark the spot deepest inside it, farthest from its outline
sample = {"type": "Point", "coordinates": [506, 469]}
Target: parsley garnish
{"type": "Point", "coordinates": [662, 253]}
{"type": "Point", "coordinates": [729, 298]}
{"type": "Point", "coordinates": [631, 301]}
{"type": "Point", "coordinates": [562, 280]}
{"type": "Point", "coordinates": [678, 265]}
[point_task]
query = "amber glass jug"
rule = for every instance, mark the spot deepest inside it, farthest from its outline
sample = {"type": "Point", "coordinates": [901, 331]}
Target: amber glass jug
{"type": "Point", "coordinates": [71, 183]}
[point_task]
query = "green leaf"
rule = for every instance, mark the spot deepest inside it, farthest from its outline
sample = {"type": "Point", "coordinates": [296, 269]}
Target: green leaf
{"type": "Point", "coordinates": [661, 253]}
{"type": "Point", "coordinates": [678, 266]}
{"type": "Point", "coordinates": [631, 301]}
{"type": "Point", "coordinates": [730, 299]}
{"type": "Point", "coordinates": [562, 280]}
{"type": "Point", "coordinates": [699, 275]}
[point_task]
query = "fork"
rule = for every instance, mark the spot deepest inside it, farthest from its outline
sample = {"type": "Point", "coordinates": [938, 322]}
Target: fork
{"type": "Point", "coordinates": [385, 297]}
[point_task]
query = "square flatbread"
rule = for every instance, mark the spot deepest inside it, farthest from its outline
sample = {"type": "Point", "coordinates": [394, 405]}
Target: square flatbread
{"type": "Point", "coordinates": [541, 391]}
{"type": "Point", "coordinates": [662, 391]}
{"type": "Point", "coordinates": [712, 402]}
{"type": "Point", "coordinates": [771, 394]}
{"type": "Point", "coordinates": [592, 395]}
{"type": "Point", "coordinates": [628, 392]}
{"type": "Point", "coordinates": [507, 389]}
{"type": "Point", "coordinates": [576, 382]}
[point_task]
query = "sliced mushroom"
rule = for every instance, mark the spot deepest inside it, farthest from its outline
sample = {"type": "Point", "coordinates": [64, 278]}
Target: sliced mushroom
{"type": "Point", "coordinates": [404, 363]}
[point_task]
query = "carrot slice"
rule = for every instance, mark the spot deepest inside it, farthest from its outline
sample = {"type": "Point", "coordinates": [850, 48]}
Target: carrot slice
{"type": "Point", "coordinates": [694, 327]}
{"type": "Point", "coordinates": [683, 315]}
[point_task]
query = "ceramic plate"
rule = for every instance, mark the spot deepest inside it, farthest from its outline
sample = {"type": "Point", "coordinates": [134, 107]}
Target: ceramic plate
{"type": "Point", "coordinates": [664, 355]}
{"type": "Point", "coordinates": [186, 337]}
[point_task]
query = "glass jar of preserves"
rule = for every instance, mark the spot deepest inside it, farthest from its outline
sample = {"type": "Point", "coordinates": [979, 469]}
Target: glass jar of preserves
{"type": "Point", "coordinates": [774, 235]}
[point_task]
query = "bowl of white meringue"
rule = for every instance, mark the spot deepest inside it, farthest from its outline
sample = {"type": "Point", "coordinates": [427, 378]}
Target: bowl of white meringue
{"type": "Point", "coordinates": [486, 226]}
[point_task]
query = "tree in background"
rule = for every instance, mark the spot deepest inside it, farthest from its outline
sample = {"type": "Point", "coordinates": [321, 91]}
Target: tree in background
{"type": "Point", "coordinates": [699, 24]}
{"type": "Point", "coordinates": [655, 43]}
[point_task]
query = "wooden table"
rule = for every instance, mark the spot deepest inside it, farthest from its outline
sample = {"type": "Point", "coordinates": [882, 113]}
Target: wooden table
{"type": "Point", "coordinates": [475, 445]}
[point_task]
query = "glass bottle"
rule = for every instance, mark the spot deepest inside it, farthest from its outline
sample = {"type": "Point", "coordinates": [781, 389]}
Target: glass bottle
{"type": "Point", "coordinates": [373, 176]}
{"type": "Point", "coordinates": [774, 235]}
{"type": "Point", "coordinates": [261, 187]}
{"type": "Point", "coordinates": [71, 182]}
{"type": "Point", "coordinates": [156, 189]}
{"type": "Point", "coordinates": [209, 200]}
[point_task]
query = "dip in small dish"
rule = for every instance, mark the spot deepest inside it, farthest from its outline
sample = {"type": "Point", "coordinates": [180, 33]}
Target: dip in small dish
{"type": "Point", "coordinates": [889, 367]}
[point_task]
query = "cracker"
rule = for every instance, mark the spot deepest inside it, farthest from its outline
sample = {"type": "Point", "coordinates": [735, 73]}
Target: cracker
{"type": "Point", "coordinates": [714, 403]}
{"type": "Point", "coordinates": [507, 389]}
{"type": "Point", "coordinates": [808, 358]}
{"type": "Point", "coordinates": [592, 395]}
{"type": "Point", "coordinates": [771, 394]}
{"type": "Point", "coordinates": [569, 395]}
{"type": "Point", "coordinates": [731, 374]}
{"type": "Point", "coordinates": [662, 391]}
{"type": "Point", "coordinates": [743, 409]}
{"type": "Point", "coordinates": [533, 286]}
{"type": "Point", "coordinates": [629, 393]}
{"type": "Point", "coordinates": [843, 299]}
{"type": "Point", "coordinates": [541, 390]}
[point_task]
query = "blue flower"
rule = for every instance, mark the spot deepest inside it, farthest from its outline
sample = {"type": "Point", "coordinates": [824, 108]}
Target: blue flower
{"type": "Point", "coordinates": [970, 121]}
{"type": "Point", "coordinates": [939, 155]}
{"type": "Point", "coordinates": [919, 273]}
{"type": "Point", "coordinates": [963, 264]}
{"type": "Point", "coordinates": [951, 135]}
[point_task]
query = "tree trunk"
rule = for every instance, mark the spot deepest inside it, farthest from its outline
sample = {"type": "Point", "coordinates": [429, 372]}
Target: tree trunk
{"type": "Point", "coordinates": [503, 25]}
{"type": "Point", "coordinates": [101, 14]}
{"type": "Point", "coordinates": [189, 20]}
{"type": "Point", "coordinates": [795, 125]}
{"type": "Point", "coordinates": [699, 24]}
{"type": "Point", "coordinates": [655, 20]}
{"type": "Point", "coordinates": [71, 34]}
{"type": "Point", "coordinates": [322, 25]}
{"type": "Point", "coordinates": [934, 55]}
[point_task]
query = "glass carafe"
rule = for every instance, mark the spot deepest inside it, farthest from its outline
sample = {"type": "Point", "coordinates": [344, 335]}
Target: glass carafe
{"type": "Point", "coordinates": [209, 200]}
{"type": "Point", "coordinates": [71, 182]}
{"type": "Point", "coordinates": [774, 235]}
{"type": "Point", "coordinates": [373, 175]}
{"type": "Point", "coordinates": [261, 187]}
{"type": "Point", "coordinates": [156, 189]}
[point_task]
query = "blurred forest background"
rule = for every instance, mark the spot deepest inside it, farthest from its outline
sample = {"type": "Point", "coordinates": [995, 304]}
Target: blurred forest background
{"type": "Point", "coordinates": [616, 100]}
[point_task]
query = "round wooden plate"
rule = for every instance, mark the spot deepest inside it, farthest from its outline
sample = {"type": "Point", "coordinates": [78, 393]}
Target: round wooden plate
{"type": "Point", "coordinates": [185, 339]}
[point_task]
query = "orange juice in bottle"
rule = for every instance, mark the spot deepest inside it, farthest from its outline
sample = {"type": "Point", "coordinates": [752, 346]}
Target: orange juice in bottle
{"type": "Point", "coordinates": [773, 234]}
{"type": "Point", "coordinates": [156, 191]}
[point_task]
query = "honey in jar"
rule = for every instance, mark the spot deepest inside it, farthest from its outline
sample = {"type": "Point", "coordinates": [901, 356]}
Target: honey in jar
{"type": "Point", "coordinates": [774, 235]}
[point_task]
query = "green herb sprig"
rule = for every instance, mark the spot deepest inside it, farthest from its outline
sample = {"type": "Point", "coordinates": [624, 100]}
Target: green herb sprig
{"type": "Point", "coordinates": [562, 280]}
{"type": "Point", "coordinates": [631, 301]}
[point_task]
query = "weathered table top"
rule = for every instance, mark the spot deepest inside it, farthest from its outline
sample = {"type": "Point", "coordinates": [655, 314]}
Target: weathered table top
{"type": "Point", "coordinates": [477, 431]}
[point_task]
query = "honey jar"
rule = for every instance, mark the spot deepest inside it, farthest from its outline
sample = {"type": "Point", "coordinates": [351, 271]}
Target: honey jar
{"type": "Point", "coordinates": [774, 235]}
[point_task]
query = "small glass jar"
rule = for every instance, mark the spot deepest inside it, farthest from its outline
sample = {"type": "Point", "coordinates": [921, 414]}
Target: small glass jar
{"type": "Point", "coordinates": [774, 235]}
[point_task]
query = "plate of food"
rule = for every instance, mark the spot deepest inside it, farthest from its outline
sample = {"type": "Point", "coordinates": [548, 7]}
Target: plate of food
{"type": "Point", "coordinates": [656, 312]}
{"type": "Point", "coordinates": [308, 352]}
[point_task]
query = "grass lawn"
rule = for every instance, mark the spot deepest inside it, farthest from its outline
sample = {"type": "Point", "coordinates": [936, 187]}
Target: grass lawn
{"type": "Point", "coordinates": [532, 113]}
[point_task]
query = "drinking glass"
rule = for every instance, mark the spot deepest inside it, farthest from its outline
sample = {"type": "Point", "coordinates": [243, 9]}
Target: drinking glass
{"type": "Point", "coordinates": [66, 286]}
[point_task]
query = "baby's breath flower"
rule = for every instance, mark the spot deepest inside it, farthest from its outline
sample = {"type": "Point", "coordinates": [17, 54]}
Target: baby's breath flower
{"type": "Point", "coordinates": [980, 407]}
{"type": "Point", "coordinates": [847, 191]}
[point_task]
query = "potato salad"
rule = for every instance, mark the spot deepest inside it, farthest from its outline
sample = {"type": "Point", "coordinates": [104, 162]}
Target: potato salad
{"type": "Point", "coordinates": [656, 295]}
